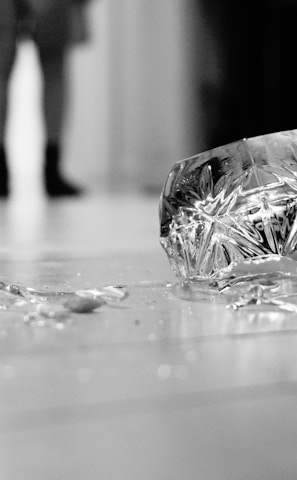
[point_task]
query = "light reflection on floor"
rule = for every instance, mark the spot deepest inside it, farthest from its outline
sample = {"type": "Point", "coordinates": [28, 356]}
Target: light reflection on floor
{"type": "Point", "coordinates": [33, 227]}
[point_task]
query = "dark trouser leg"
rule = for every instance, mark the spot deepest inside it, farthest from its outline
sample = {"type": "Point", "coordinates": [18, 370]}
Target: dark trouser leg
{"type": "Point", "coordinates": [54, 91]}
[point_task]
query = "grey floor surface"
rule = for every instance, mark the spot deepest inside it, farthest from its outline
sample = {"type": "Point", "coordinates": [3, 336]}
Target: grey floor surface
{"type": "Point", "coordinates": [156, 387]}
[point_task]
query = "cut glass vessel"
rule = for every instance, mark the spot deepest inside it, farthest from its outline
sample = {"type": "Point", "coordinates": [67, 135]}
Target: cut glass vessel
{"type": "Point", "coordinates": [235, 202]}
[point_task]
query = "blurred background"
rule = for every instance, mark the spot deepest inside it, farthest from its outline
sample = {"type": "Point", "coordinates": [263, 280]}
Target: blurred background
{"type": "Point", "coordinates": [158, 80]}
{"type": "Point", "coordinates": [133, 104]}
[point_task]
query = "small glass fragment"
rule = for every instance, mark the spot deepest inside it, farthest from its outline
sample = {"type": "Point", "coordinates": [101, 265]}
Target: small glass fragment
{"type": "Point", "coordinates": [81, 304]}
{"type": "Point", "coordinates": [108, 294]}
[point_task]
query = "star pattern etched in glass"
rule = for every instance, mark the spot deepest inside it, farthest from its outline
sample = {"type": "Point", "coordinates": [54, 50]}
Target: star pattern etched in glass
{"type": "Point", "coordinates": [229, 204]}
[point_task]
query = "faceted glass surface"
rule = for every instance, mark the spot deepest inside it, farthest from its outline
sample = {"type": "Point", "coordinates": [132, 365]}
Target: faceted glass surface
{"type": "Point", "coordinates": [229, 204]}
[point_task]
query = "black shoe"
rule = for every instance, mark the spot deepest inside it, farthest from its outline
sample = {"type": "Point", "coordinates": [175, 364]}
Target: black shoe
{"type": "Point", "coordinates": [4, 191]}
{"type": "Point", "coordinates": [55, 184]}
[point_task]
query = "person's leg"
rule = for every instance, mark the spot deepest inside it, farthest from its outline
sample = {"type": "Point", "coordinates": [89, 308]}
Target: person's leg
{"type": "Point", "coordinates": [54, 104]}
{"type": "Point", "coordinates": [51, 37]}
{"type": "Point", "coordinates": [54, 91]}
{"type": "Point", "coordinates": [7, 55]}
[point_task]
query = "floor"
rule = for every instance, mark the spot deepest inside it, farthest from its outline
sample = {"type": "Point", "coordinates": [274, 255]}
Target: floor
{"type": "Point", "coordinates": [158, 386]}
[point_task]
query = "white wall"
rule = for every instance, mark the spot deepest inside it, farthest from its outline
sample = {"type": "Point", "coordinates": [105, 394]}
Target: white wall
{"type": "Point", "coordinates": [148, 89]}
{"type": "Point", "coordinates": [86, 135]}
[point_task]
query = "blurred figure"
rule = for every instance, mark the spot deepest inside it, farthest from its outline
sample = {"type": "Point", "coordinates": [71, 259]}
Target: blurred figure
{"type": "Point", "coordinates": [255, 92]}
{"type": "Point", "coordinates": [54, 25]}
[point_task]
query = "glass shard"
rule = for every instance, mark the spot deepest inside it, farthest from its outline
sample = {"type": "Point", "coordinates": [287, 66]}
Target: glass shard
{"type": "Point", "coordinates": [57, 305]}
{"type": "Point", "coordinates": [230, 204]}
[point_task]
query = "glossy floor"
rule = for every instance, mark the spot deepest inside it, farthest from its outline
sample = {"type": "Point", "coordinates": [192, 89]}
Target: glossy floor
{"type": "Point", "coordinates": [160, 386]}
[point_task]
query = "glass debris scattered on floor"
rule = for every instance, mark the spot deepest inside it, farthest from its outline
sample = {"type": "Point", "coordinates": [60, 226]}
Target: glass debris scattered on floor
{"type": "Point", "coordinates": [269, 281]}
{"type": "Point", "coordinates": [37, 306]}
{"type": "Point", "coordinates": [268, 284]}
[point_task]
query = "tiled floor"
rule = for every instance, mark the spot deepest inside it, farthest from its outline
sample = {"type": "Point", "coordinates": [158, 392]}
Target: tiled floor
{"type": "Point", "coordinates": [156, 387]}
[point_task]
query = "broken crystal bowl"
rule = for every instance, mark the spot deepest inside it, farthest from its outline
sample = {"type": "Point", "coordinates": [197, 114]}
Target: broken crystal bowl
{"type": "Point", "coordinates": [233, 203]}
